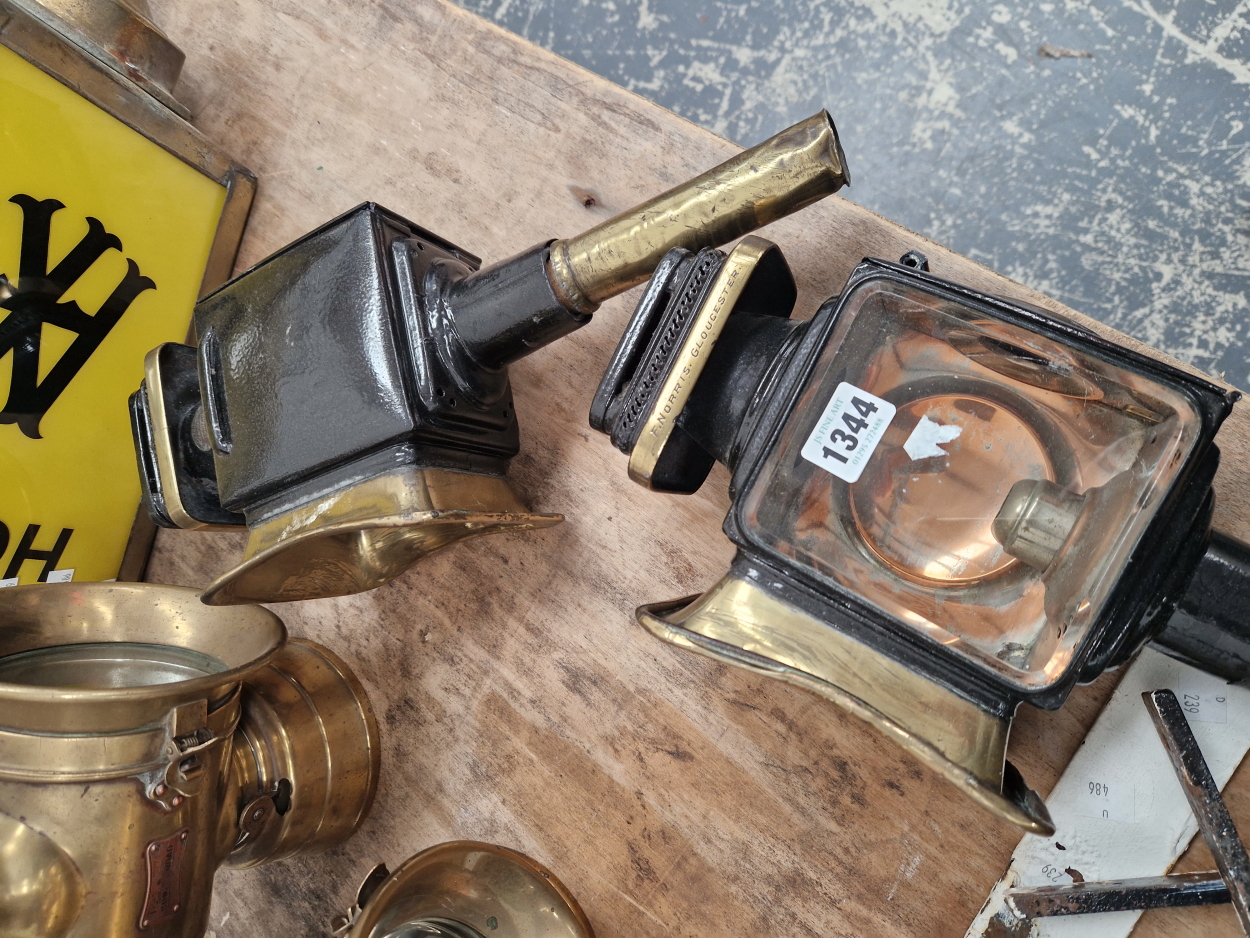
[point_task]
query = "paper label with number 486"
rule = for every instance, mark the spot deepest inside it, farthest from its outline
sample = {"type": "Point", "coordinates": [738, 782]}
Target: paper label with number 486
{"type": "Point", "coordinates": [848, 432]}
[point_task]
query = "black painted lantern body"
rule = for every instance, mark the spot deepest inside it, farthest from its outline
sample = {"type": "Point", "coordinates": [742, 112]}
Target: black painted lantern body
{"type": "Point", "coordinates": [333, 410]}
{"type": "Point", "coordinates": [297, 403]}
{"type": "Point", "coordinates": [349, 403]}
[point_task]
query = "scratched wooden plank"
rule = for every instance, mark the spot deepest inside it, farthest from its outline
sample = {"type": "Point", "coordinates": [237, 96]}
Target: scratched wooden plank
{"type": "Point", "coordinates": [519, 701]}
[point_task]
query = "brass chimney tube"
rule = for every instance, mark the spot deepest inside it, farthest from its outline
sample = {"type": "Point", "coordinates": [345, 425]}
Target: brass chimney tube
{"type": "Point", "coordinates": [785, 173]}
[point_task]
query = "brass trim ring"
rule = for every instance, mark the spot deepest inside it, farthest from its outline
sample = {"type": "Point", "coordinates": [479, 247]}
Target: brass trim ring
{"type": "Point", "coordinates": [689, 362]}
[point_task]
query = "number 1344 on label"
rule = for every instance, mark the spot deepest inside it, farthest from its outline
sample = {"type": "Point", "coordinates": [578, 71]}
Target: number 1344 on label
{"type": "Point", "coordinates": [848, 432]}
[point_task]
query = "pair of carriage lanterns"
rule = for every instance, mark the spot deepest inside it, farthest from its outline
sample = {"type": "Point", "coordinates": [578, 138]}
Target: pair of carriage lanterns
{"type": "Point", "coordinates": [945, 503]}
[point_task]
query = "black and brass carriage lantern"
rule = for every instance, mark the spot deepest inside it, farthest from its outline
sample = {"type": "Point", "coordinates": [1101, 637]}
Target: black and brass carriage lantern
{"type": "Point", "coordinates": [349, 403]}
{"type": "Point", "coordinates": [147, 739]}
{"type": "Point", "coordinates": [945, 503]}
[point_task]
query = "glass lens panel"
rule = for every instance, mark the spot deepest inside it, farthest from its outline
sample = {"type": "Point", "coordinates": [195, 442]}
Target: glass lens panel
{"type": "Point", "coordinates": [977, 481]}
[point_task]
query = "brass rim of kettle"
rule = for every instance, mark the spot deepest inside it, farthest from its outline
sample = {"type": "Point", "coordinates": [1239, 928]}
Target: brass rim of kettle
{"type": "Point", "coordinates": [489, 888]}
{"type": "Point", "coordinates": [737, 623]}
{"type": "Point", "coordinates": [49, 615]}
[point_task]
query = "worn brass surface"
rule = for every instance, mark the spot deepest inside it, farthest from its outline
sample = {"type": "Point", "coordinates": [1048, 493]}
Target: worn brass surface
{"type": "Point", "coordinates": [200, 737]}
{"type": "Point", "coordinates": [464, 889]}
{"type": "Point", "coordinates": [785, 173]}
{"type": "Point", "coordinates": [28, 33]}
{"type": "Point", "coordinates": [41, 890]}
{"type": "Point", "coordinates": [368, 534]}
{"type": "Point", "coordinates": [121, 34]}
{"type": "Point", "coordinates": [690, 359]}
{"type": "Point", "coordinates": [738, 623]}
{"type": "Point", "coordinates": [307, 719]}
{"type": "Point", "coordinates": [49, 615]}
{"type": "Point", "coordinates": [162, 443]}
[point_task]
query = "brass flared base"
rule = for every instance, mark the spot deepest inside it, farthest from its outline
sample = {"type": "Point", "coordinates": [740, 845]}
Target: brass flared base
{"type": "Point", "coordinates": [738, 623]}
{"type": "Point", "coordinates": [465, 889]}
{"type": "Point", "coordinates": [367, 535]}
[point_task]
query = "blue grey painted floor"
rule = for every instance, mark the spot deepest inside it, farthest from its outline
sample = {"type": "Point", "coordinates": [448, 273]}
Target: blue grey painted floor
{"type": "Point", "coordinates": [1098, 150]}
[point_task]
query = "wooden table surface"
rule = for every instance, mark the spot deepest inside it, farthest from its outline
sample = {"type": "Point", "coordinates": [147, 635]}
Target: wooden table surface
{"type": "Point", "coordinates": [520, 702]}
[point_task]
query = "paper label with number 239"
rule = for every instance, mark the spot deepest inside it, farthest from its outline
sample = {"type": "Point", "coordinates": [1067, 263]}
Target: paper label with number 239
{"type": "Point", "coordinates": [848, 432]}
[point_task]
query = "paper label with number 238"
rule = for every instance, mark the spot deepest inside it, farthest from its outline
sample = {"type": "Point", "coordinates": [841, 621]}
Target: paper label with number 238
{"type": "Point", "coordinates": [848, 432]}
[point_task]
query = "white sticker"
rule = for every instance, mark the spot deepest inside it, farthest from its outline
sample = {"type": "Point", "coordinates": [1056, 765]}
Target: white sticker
{"type": "Point", "coordinates": [926, 440]}
{"type": "Point", "coordinates": [1107, 798]}
{"type": "Point", "coordinates": [1203, 697]}
{"type": "Point", "coordinates": [11, 581]}
{"type": "Point", "coordinates": [61, 576]}
{"type": "Point", "coordinates": [848, 432]}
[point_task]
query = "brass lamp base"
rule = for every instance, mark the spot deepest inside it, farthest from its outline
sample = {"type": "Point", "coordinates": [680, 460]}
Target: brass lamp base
{"type": "Point", "coordinates": [368, 534]}
{"type": "Point", "coordinates": [740, 624]}
{"type": "Point", "coordinates": [465, 889]}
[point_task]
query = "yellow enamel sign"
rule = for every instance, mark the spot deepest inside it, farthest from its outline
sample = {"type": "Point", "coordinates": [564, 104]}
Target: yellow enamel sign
{"type": "Point", "coordinates": [104, 237]}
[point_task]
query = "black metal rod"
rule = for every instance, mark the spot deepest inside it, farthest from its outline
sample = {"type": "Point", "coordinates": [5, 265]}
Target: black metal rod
{"type": "Point", "coordinates": [1210, 628]}
{"type": "Point", "coordinates": [508, 310]}
{"type": "Point", "coordinates": [1120, 895]}
{"type": "Point", "coordinates": [1204, 798]}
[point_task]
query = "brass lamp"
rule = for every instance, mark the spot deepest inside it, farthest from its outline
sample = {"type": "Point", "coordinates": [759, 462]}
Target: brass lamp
{"type": "Point", "coordinates": [945, 503]}
{"type": "Point", "coordinates": [464, 889]}
{"type": "Point", "coordinates": [147, 739]}
{"type": "Point", "coordinates": [349, 403]}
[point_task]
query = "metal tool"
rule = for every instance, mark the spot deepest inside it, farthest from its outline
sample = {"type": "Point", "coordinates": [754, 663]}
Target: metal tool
{"type": "Point", "coordinates": [1118, 895]}
{"type": "Point", "coordinates": [349, 401]}
{"type": "Point", "coordinates": [1230, 884]}
{"type": "Point", "coordinates": [1204, 798]}
{"type": "Point", "coordinates": [148, 739]}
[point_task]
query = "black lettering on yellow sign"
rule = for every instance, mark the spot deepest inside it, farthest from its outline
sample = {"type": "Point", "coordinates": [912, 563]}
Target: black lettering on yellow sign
{"type": "Point", "coordinates": [26, 550]}
{"type": "Point", "coordinates": [36, 299]}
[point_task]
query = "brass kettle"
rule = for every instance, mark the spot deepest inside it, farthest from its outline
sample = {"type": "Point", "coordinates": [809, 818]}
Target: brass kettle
{"type": "Point", "coordinates": [147, 739]}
